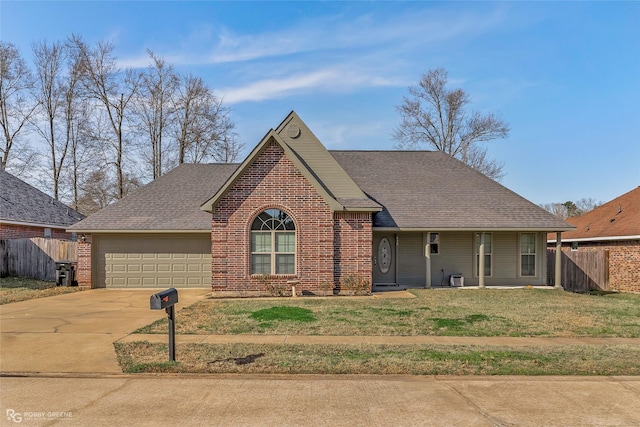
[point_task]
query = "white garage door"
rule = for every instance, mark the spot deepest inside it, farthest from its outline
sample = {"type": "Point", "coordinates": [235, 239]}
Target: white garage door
{"type": "Point", "coordinates": [154, 261]}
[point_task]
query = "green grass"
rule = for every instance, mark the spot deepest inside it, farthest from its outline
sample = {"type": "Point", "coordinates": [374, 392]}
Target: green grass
{"type": "Point", "coordinates": [450, 312]}
{"type": "Point", "coordinates": [14, 289]}
{"type": "Point", "coordinates": [381, 359]}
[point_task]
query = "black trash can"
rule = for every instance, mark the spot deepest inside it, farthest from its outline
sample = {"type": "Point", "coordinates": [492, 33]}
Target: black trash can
{"type": "Point", "coordinates": [66, 273]}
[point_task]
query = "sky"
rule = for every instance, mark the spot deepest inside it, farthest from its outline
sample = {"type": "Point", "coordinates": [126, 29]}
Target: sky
{"type": "Point", "coordinates": [565, 76]}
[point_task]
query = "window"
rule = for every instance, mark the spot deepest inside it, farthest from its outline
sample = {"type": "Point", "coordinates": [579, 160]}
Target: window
{"type": "Point", "coordinates": [574, 246]}
{"type": "Point", "coordinates": [528, 254]}
{"type": "Point", "coordinates": [47, 233]}
{"type": "Point", "coordinates": [434, 243]}
{"type": "Point", "coordinates": [487, 253]}
{"type": "Point", "coordinates": [273, 243]}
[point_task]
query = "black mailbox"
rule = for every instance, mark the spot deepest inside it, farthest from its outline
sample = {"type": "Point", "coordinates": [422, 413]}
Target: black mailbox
{"type": "Point", "coordinates": [164, 299]}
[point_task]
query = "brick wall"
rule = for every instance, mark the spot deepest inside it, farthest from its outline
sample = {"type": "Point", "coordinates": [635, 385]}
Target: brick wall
{"type": "Point", "coordinates": [273, 181]}
{"type": "Point", "coordinates": [83, 274]}
{"type": "Point", "coordinates": [13, 231]}
{"type": "Point", "coordinates": [352, 245]}
{"type": "Point", "coordinates": [624, 262]}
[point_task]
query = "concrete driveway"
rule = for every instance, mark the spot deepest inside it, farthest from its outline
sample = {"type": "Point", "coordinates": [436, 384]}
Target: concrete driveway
{"type": "Point", "coordinates": [75, 332]}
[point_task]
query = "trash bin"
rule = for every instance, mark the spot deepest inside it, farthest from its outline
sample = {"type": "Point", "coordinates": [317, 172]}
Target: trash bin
{"type": "Point", "coordinates": [65, 273]}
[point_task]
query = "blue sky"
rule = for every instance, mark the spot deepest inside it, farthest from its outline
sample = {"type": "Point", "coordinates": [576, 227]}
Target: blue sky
{"type": "Point", "coordinates": [564, 75]}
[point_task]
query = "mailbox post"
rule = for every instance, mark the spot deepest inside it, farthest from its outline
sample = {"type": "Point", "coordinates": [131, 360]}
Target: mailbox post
{"type": "Point", "coordinates": [167, 299]}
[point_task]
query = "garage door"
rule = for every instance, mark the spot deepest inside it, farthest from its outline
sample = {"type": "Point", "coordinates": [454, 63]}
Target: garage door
{"type": "Point", "coordinates": [154, 261]}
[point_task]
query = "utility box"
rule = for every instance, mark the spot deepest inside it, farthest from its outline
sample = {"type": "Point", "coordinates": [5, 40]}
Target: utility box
{"type": "Point", "coordinates": [456, 280]}
{"type": "Point", "coordinates": [66, 273]}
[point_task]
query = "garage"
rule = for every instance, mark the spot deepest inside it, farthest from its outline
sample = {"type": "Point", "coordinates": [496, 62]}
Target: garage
{"type": "Point", "coordinates": [152, 260]}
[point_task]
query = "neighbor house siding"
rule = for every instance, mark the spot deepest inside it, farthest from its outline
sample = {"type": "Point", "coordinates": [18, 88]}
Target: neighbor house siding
{"type": "Point", "coordinates": [15, 231]}
{"type": "Point", "coordinates": [272, 181]}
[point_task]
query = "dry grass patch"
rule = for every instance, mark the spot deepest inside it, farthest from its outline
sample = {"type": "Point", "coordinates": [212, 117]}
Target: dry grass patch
{"type": "Point", "coordinates": [14, 289]}
{"type": "Point", "coordinates": [450, 312]}
{"type": "Point", "coordinates": [381, 359]}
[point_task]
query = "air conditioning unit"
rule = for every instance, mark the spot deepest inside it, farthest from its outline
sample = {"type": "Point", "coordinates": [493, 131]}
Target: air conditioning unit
{"type": "Point", "coordinates": [456, 280]}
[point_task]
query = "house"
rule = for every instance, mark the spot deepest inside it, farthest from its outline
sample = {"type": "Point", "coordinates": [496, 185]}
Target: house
{"type": "Point", "coordinates": [27, 212]}
{"type": "Point", "coordinates": [612, 227]}
{"type": "Point", "coordinates": [294, 212]}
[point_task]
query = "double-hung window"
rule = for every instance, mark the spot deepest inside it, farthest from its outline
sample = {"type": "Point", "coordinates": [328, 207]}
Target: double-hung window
{"type": "Point", "coordinates": [528, 254]}
{"type": "Point", "coordinates": [273, 243]}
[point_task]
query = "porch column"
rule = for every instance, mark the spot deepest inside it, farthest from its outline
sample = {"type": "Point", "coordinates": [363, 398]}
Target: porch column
{"type": "Point", "coordinates": [481, 262]}
{"type": "Point", "coordinates": [427, 256]}
{"type": "Point", "coordinates": [558, 277]}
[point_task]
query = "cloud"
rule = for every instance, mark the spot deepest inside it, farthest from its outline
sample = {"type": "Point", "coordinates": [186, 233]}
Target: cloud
{"type": "Point", "coordinates": [329, 79]}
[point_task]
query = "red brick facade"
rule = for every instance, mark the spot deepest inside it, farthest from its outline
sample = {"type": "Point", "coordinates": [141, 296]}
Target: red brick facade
{"type": "Point", "coordinates": [352, 245]}
{"type": "Point", "coordinates": [14, 231]}
{"type": "Point", "coordinates": [624, 262]}
{"type": "Point", "coordinates": [273, 181]}
{"type": "Point", "coordinates": [83, 274]}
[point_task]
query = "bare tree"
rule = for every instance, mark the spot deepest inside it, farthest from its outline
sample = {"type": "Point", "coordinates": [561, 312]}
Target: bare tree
{"type": "Point", "coordinates": [51, 93]}
{"type": "Point", "coordinates": [16, 107]}
{"type": "Point", "coordinates": [203, 129]}
{"type": "Point", "coordinates": [114, 90]}
{"type": "Point", "coordinates": [435, 116]}
{"type": "Point", "coordinates": [570, 209]}
{"type": "Point", "coordinates": [155, 108]}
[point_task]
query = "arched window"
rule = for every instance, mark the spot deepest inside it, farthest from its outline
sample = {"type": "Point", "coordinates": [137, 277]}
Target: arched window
{"type": "Point", "coordinates": [273, 243]}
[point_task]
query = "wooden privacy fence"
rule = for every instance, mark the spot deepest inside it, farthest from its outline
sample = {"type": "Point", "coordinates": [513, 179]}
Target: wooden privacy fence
{"type": "Point", "coordinates": [35, 258]}
{"type": "Point", "coordinates": [581, 271]}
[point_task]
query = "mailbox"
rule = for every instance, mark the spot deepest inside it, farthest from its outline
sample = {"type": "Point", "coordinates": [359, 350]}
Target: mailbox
{"type": "Point", "coordinates": [164, 299]}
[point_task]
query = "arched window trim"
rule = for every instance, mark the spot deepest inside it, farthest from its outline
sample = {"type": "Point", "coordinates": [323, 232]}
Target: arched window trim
{"type": "Point", "coordinates": [273, 242]}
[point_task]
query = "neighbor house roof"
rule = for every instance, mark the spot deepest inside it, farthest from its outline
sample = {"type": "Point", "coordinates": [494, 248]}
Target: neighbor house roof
{"type": "Point", "coordinates": [169, 203]}
{"type": "Point", "coordinates": [313, 160]}
{"type": "Point", "coordinates": [618, 219]}
{"type": "Point", "coordinates": [23, 204]}
{"type": "Point", "coordinates": [432, 190]}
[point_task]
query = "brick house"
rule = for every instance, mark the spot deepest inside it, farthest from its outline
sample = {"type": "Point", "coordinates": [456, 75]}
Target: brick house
{"type": "Point", "coordinates": [27, 212]}
{"type": "Point", "coordinates": [613, 227]}
{"type": "Point", "coordinates": [294, 212]}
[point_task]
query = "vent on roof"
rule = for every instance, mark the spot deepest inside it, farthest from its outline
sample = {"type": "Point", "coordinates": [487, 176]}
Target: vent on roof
{"type": "Point", "coordinates": [293, 131]}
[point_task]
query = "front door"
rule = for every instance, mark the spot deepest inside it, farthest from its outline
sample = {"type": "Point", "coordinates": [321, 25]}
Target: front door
{"type": "Point", "coordinates": [384, 259]}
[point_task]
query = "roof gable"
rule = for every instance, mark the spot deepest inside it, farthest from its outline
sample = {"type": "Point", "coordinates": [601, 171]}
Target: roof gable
{"type": "Point", "coordinates": [25, 204]}
{"type": "Point", "coordinates": [618, 218]}
{"type": "Point", "coordinates": [313, 160]}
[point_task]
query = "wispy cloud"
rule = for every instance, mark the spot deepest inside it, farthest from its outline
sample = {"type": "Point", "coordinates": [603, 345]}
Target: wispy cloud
{"type": "Point", "coordinates": [329, 79]}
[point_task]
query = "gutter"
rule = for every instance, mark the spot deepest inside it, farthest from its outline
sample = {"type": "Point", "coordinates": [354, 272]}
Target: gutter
{"type": "Point", "coordinates": [598, 239]}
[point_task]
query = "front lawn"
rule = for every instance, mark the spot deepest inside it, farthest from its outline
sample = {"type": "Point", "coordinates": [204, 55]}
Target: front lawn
{"type": "Point", "coordinates": [14, 289]}
{"type": "Point", "coordinates": [451, 312]}
{"type": "Point", "coordinates": [381, 359]}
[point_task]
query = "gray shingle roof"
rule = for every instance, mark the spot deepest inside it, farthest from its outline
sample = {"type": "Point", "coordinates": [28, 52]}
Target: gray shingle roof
{"type": "Point", "coordinates": [432, 190]}
{"type": "Point", "coordinates": [23, 203]}
{"type": "Point", "coordinates": [171, 202]}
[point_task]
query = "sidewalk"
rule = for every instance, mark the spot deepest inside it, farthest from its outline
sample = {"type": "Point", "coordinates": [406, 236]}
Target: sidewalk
{"type": "Point", "coordinates": [390, 340]}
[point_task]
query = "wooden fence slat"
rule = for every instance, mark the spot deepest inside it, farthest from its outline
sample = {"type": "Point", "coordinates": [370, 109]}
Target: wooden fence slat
{"type": "Point", "coordinates": [35, 257]}
{"type": "Point", "coordinates": [581, 271]}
